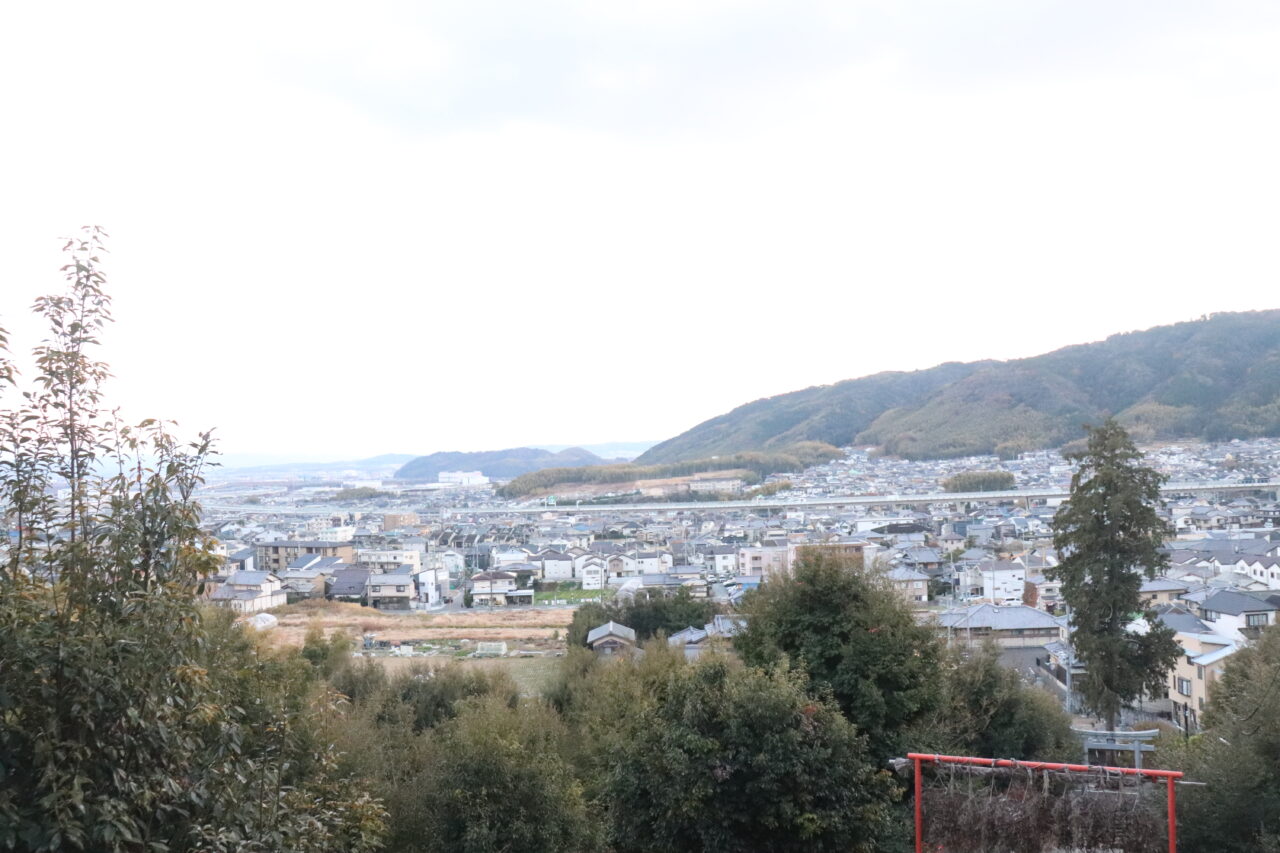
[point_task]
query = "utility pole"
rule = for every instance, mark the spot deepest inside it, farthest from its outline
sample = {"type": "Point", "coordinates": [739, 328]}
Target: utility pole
{"type": "Point", "coordinates": [1071, 659]}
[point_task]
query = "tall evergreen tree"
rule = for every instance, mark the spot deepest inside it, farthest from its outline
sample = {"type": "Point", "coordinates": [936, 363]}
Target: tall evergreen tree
{"type": "Point", "coordinates": [1109, 534]}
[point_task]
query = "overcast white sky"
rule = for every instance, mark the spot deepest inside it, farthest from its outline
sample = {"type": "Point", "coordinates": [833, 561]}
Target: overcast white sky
{"type": "Point", "coordinates": [342, 229]}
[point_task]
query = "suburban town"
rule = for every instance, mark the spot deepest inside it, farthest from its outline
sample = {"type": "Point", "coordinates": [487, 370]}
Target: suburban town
{"type": "Point", "coordinates": [666, 427]}
{"type": "Point", "coordinates": [974, 570]}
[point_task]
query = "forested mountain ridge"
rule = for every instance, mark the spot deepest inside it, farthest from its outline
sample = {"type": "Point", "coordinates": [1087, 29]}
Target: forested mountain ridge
{"type": "Point", "coordinates": [499, 464]}
{"type": "Point", "coordinates": [1214, 378]}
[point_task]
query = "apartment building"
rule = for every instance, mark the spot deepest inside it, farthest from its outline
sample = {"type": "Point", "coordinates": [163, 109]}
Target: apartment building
{"type": "Point", "coordinates": [766, 560]}
{"type": "Point", "coordinates": [276, 556]}
{"type": "Point", "coordinates": [399, 520]}
{"type": "Point", "coordinates": [1204, 655]}
{"type": "Point", "coordinates": [387, 560]}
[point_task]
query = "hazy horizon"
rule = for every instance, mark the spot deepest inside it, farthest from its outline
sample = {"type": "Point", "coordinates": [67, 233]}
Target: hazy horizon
{"type": "Point", "coordinates": [490, 225]}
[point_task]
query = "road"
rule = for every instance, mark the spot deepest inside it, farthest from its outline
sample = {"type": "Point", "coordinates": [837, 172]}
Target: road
{"type": "Point", "coordinates": [1200, 487]}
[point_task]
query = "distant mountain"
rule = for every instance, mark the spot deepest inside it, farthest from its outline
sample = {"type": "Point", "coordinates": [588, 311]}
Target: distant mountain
{"type": "Point", "coordinates": [497, 464]}
{"type": "Point", "coordinates": [612, 450]}
{"type": "Point", "coordinates": [1215, 378]}
{"type": "Point", "coordinates": [260, 464]}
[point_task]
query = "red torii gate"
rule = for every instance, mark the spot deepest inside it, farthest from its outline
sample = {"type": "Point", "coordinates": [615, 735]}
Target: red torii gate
{"type": "Point", "coordinates": [918, 758]}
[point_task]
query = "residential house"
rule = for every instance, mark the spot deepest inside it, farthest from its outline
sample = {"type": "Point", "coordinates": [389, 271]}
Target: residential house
{"type": "Point", "coordinates": [651, 562]}
{"type": "Point", "coordinates": [670, 584]}
{"type": "Point", "coordinates": [1018, 626]}
{"type": "Point", "coordinates": [555, 565]}
{"type": "Point", "coordinates": [1003, 581]}
{"type": "Point", "coordinates": [620, 566]}
{"type": "Point", "coordinates": [507, 555]}
{"type": "Point", "coordinates": [591, 576]}
{"type": "Point", "coordinates": [431, 584]}
{"type": "Point", "coordinates": [611, 639]}
{"type": "Point", "coordinates": [720, 560]}
{"type": "Point", "coordinates": [241, 561]}
{"type": "Point", "coordinates": [1238, 616]}
{"type": "Point", "coordinates": [1162, 590]}
{"type": "Point", "coordinates": [911, 586]}
{"type": "Point", "coordinates": [308, 576]}
{"type": "Point", "coordinates": [348, 585]}
{"type": "Point", "coordinates": [388, 591]}
{"type": "Point", "coordinates": [1048, 593]}
{"type": "Point", "coordinates": [923, 559]}
{"type": "Point", "coordinates": [453, 562]}
{"type": "Point", "coordinates": [689, 639]}
{"type": "Point", "coordinates": [249, 592]}
{"type": "Point", "coordinates": [498, 588]}
{"type": "Point", "coordinates": [1205, 652]}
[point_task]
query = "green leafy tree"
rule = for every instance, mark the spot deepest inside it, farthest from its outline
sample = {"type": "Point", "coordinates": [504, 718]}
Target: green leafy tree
{"type": "Point", "coordinates": [497, 780]}
{"type": "Point", "coordinates": [129, 720]}
{"type": "Point", "coordinates": [1237, 756]}
{"type": "Point", "coordinates": [850, 634]}
{"type": "Point", "coordinates": [985, 709]}
{"type": "Point", "coordinates": [647, 614]}
{"type": "Point", "coordinates": [1109, 533]}
{"type": "Point", "coordinates": [432, 695]}
{"type": "Point", "coordinates": [360, 493]}
{"type": "Point", "coordinates": [327, 655]}
{"type": "Point", "coordinates": [722, 758]}
{"type": "Point", "coordinates": [385, 731]}
{"type": "Point", "coordinates": [979, 481]}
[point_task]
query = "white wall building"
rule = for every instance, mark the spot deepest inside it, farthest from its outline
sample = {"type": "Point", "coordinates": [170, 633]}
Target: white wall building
{"type": "Point", "coordinates": [556, 565]}
{"type": "Point", "coordinates": [507, 556]}
{"type": "Point", "coordinates": [431, 583]}
{"type": "Point", "coordinates": [592, 576]}
{"type": "Point", "coordinates": [462, 478]}
{"type": "Point", "coordinates": [721, 560]}
{"type": "Point", "coordinates": [1003, 582]}
{"type": "Point", "coordinates": [383, 560]}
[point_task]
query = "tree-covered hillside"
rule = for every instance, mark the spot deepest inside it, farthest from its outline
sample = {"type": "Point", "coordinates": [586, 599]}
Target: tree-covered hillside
{"type": "Point", "coordinates": [756, 467]}
{"type": "Point", "coordinates": [499, 464]}
{"type": "Point", "coordinates": [1214, 378]}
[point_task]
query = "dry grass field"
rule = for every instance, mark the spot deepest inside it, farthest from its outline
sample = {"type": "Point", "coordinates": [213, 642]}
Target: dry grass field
{"type": "Point", "coordinates": [534, 627]}
{"type": "Point", "coordinates": [531, 674]}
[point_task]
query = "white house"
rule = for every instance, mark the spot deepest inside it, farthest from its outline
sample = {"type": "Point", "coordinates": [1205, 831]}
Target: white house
{"type": "Point", "coordinates": [508, 556]}
{"type": "Point", "coordinates": [498, 588]}
{"type": "Point", "coordinates": [1003, 582]}
{"type": "Point", "coordinates": [249, 592]}
{"type": "Point", "coordinates": [556, 565]}
{"type": "Point", "coordinates": [650, 562]}
{"type": "Point", "coordinates": [453, 562]}
{"type": "Point", "coordinates": [430, 584]}
{"type": "Point", "coordinates": [592, 576]}
{"type": "Point", "coordinates": [721, 560]}
{"type": "Point", "coordinates": [1237, 615]}
{"type": "Point", "coordinates": [620, 566]}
